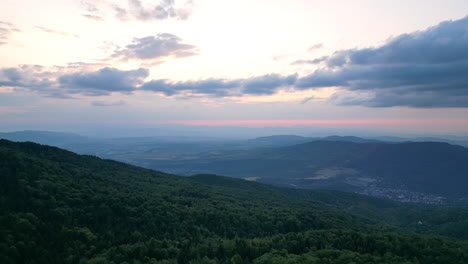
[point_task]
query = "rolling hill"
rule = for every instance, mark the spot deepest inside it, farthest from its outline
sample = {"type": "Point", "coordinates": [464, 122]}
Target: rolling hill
{"type": "Point", "coordinates": [423, 172]}
{"type": "Point", "coordinates": [60, 207]}
{"type": "Point", "coordinates": [410, 171]}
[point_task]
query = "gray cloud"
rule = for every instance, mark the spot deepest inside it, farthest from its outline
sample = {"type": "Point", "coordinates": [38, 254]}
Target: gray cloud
{"type": "Point", "coordinates": [138, 10]}
{"type": "Point", "coordinates": [315, 47]}
{"type": "Point", "coordinates": [3, 35]}
{"type": "Point", "coordinates": [155, 47]}
{"type": "Point", "coordinates": [214, 87]}
{"type": "Point", "coordinates": [261, 85]}
{"type": "Point", "coordinates": [31, 77]}
{"type": "Point", "coordinates": [12, 74]}
{"type": "Point", "coordinates": [6, 30]}
{"type": "Point", "coordinates": [58, 82]}
{"type": "Point", "coordinates": [84, 80]}
{"type": "Point", "coordinates": [313, 61]}
{"type": "Point", "coordinates": [103, 81]}
{"type": "Point", "coordinates": [422, 69]}
{"type": "Point", "coordinates": [104, 103]}
{"type": "Point", "coordinates": [93, 9]}
{"type": "Point", "coordinates": [93, 17]}
{"type": "Point", "coordinates": [164, 10]}
{"type": "Point", "coordinates": [120, 13]}
{"type": "Point", "coordinates": [307, 99]}
{"type": "Point", "coordinates": [267, 84]}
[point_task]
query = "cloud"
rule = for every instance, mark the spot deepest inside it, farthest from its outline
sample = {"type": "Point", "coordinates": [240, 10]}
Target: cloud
{"type": "Point", "coordinates": [267, 84]}
{"type": "Point", "coordinates": [165, 9]}
{"type": "Point", "coordinates": [136, 10]}
{"type": "Point", "coordinates": [313, 61]}
{"type": "Point", "coordinates": [12, 74]}
{"type": "Point", "coordinates": [81, 78]}
{"type": "Point", "coordinates": [261, 85]}
{"type": "Point", "coordinates": [214, 87]}
{"type": "Point", "coordinates": [27, 76]}
{"type": "Point", "coordinates": [103, 81]}
{"type": "Point", "coordinates": [155, 47]}
{"type": "Point", "coordinates": [315, 47]}
{"type": "Point", "coordinates": [93, 17]}
{"type": "Point", "coordinates": [120, 13]}
{"type": "Point", "coordinates": [421, 69]}
{"type": "Point", "coordinates": [105, 104]}
{"type": "Point", "coordinates": [57, 32]}
{"type": "Point", "coordinates": [6, 30]}
{"type": "Point", "coordinates": [67, 81]}
{"type": "Point", "coordinates": [307, 99]}
{"type": "Point", "coordinates": [93, 9]}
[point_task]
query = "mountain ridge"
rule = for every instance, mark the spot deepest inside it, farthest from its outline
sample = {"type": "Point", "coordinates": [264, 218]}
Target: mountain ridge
{"type": "Point", "coordinates": [60, 207]}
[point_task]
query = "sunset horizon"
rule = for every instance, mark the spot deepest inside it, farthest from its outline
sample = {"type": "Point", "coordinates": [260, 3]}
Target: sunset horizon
{"type": "Point", "coordinates": [171, 61]}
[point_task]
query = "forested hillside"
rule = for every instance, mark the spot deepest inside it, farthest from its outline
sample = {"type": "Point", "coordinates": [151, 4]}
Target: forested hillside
{"type": "Point", "coordinates": [422, 172]}
{"type": "Point", "coordinates": [59, 207]}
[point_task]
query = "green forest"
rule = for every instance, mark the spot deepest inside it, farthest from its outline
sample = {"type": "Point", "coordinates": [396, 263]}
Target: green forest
{"type": "Point", "coordinates": [60, 207]}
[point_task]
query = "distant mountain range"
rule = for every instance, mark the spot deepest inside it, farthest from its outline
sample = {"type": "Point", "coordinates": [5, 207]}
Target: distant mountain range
{"type": "Point", "coordinates": [286, 140]}
{"type": "Point", "coordinates": [411, 171]}
{"type": "Point", "coordinates": [44, 137]}
{"type": "Point", "coordinates": [427, 172]}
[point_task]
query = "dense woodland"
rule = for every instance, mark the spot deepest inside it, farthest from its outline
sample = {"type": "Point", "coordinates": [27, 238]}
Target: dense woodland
{"type": "Point", "coordinates": [59, 207]}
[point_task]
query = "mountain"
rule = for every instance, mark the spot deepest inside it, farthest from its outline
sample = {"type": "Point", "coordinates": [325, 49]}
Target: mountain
{"type": "Point", "coordinates": [461, 141]}
{"type": "Point", "coordinates": [279, 140]}
{"type": "Point", "coordinates": [43, 137]}
{"type": "Point", "coordinates": [410, 171]}
{"type": "Point", "coordinates": [349, 139]}
{"type": "Point", "coordinates": [60, 207]}
{"type": "Point", "coordinates": [288, 140]}
{"type": "Point", "coordinates": [426, 172]}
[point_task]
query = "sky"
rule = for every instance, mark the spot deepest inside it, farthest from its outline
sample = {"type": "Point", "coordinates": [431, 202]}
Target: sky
{"type": "Point", "coordinates": [365, 64]}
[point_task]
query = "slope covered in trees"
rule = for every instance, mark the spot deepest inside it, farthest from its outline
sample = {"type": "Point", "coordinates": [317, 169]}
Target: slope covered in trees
{"type": "Point", "coordinates": [59, 207]}
{"type": "Point", "coordinates": [426, 168]}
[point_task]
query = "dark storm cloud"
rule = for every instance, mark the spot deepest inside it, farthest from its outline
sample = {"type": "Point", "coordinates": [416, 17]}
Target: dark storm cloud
{"type": "Point", "coordinates": [103, 81]}
{"type": "Point", "coordinates": [155, 47]}
{"type": "Point", "coordinates": [422, 69]}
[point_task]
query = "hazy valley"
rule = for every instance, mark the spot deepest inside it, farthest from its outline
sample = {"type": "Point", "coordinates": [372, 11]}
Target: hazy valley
{"type": "Point", "coordinates": [409, 171]}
